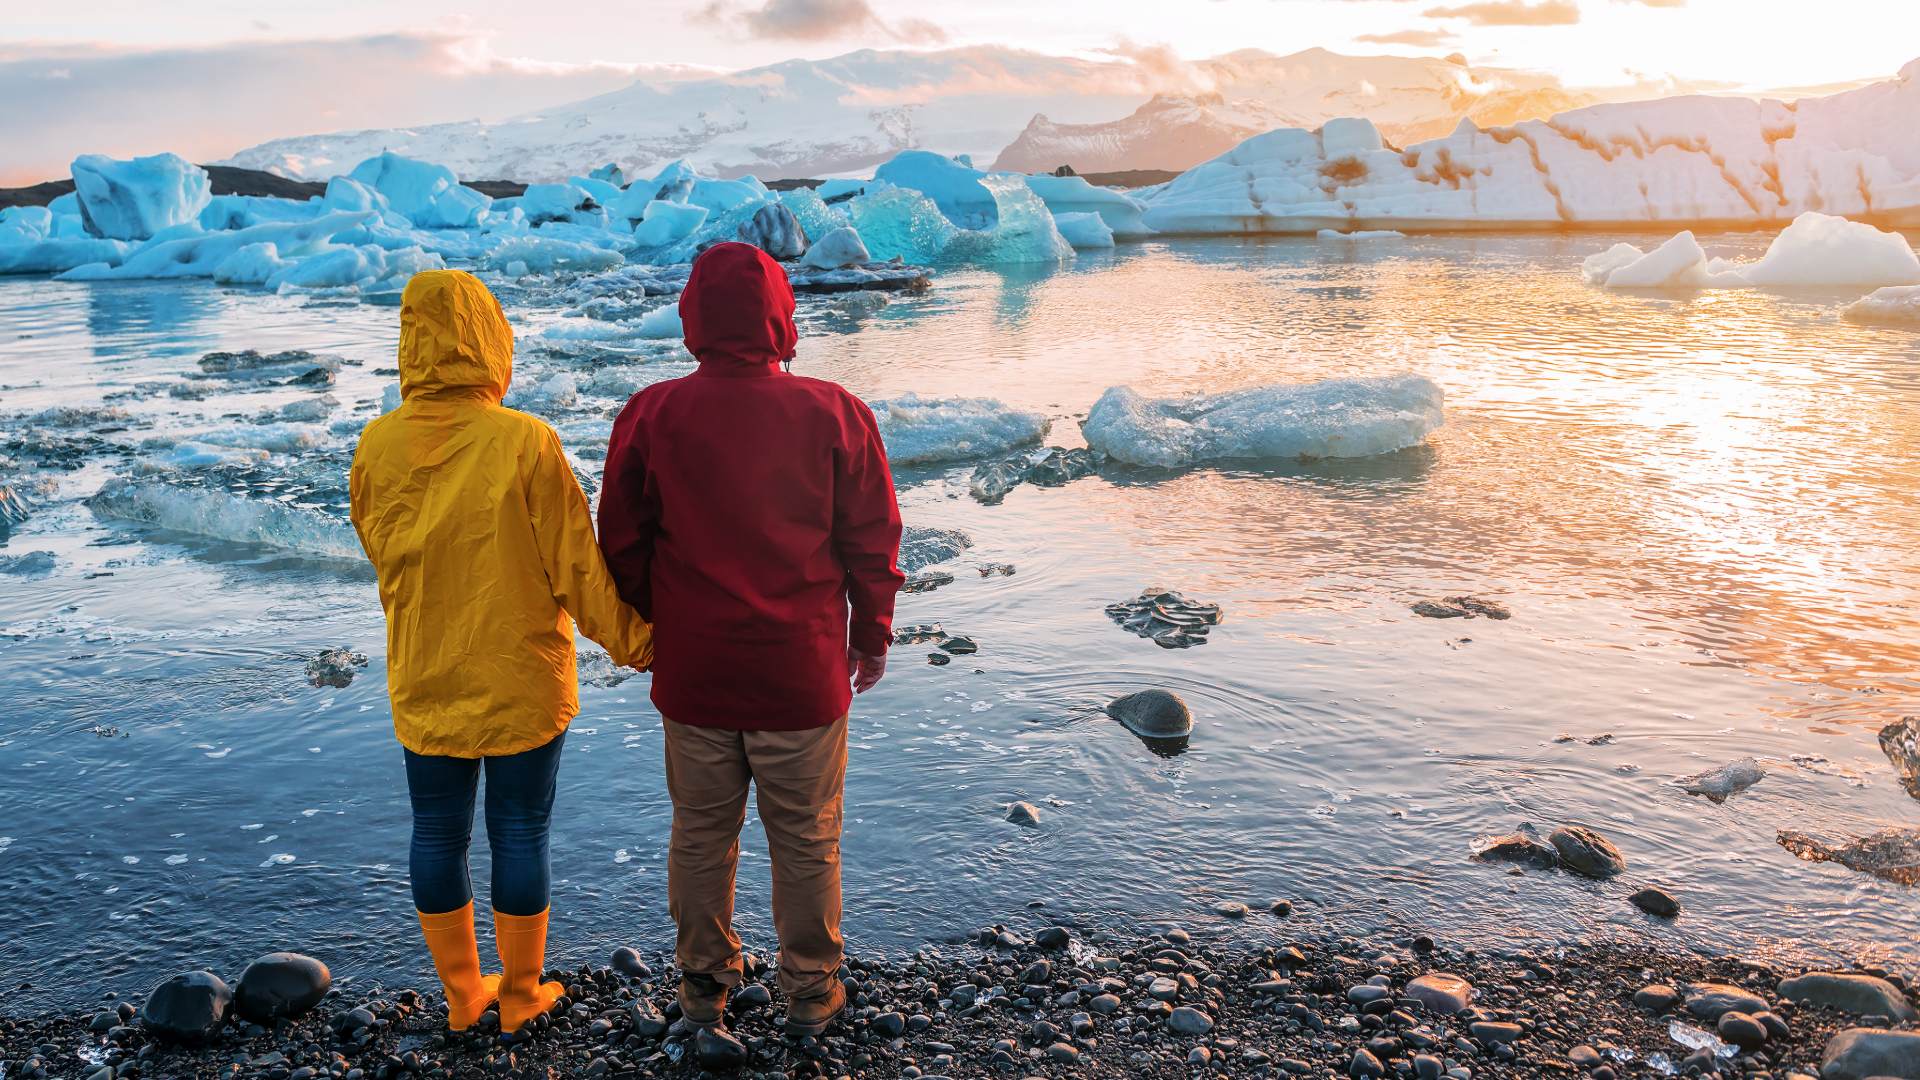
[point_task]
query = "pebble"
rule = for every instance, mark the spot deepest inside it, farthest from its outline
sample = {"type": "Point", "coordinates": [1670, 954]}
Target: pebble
{"type": "Point", "coordinates": [1053, 938]}
{"type": "Point", "coordinates": [1364, 1064]}
{"type": "Point", "coordinates": [1187, 1020]}
{"type": "Point", "coordinates": [1230, 909]}
{"type": "Point", "coordinates": [1495, 1032]}
{"type": "Point", "coordinates": [1441, 993]}
{"type": "Point", "coordinates": [718, 1050]}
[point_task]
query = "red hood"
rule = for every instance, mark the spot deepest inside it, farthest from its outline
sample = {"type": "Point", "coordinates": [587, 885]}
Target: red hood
{"type": "Point", "coordinates": [737, 311]}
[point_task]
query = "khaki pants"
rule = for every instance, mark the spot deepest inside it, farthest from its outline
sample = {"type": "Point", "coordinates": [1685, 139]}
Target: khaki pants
{"type": "Point", "coordinates": [800, 779]}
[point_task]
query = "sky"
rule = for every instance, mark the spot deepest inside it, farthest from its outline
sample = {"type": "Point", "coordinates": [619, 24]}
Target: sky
{"type": "Point", "coordinates": [205, 78]}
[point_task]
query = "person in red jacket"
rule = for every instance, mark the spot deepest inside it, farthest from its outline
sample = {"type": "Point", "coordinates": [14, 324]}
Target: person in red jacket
{"type": "Point", "coordinates": [749, 514]}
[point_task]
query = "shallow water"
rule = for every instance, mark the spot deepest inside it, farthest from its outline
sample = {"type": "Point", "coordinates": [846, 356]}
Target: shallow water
{"type": "Point", "coordinates": [1700, 508]}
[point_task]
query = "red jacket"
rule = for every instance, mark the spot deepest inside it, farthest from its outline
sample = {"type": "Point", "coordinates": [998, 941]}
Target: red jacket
{"type": "Point", "coordinates": [745, 509]}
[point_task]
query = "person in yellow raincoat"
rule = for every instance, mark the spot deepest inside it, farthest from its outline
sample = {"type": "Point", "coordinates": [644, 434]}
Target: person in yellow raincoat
{"type": "Point", "coordinates": [485, 551]}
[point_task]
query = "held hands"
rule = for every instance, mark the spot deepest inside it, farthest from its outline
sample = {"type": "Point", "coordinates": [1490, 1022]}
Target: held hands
{"type": "Point", "coordinates": [864, 670]}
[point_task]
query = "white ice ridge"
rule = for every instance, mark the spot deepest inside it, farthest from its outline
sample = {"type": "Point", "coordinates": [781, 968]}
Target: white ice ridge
{"type": "Point", "coordinates": [1336, 418]}
{"type": "Point", "coordinates": [1690, 160]}
{"type": "Point", "coordinates": [220, 516]}
{"type": "Point", "coordinates": [925, 431]}
{"type": "Point", "coordinates": [1816, 250]}
{"type": "Point", "coordinates": [1897, 305]}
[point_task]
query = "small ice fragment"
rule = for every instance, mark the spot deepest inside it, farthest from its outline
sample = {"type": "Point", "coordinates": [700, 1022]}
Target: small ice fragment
{"type": "Point", "coordinates": [278, 860]}
{"type": "Point", "coordinates": [130, 860]}
{"type": "Point", "coordinates": [1694, 1038]}
{"type": "Point", "coordinates": [175, 860]}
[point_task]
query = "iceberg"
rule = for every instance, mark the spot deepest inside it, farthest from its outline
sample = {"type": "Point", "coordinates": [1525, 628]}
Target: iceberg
{"type": "Point", "coordinates": [132, 200]}
{"type": "Point", "coordinates": [243, 211]}
{"type": "Point", "coordinates": [899, 223]}
{"type": "Point", "coordinates": [925, 431]}
{"type": "Point", "coordinates": [1363, 234]}
{"type": "Point", "coordinates": [1335, 418]}
{"type": "Point", "coordinates": [1897, 305]}
{"type": "Point", "coordinates": [250, 265]}
{"type": "Point", "coordinates": [1074, 195]}
{"type": "Point", "coordinates": [1025, 232]}
{"type": "Point", "coordinates": [814, 215]}
{"type": "Point", "coordinates": [720, 196]}
{"type": "Point", "coordinates": [199, 254]}
{"type": "Point", "coordinates": [1087, 230]}
{"type": "Point", "coordinates": [954, 188]}
{"type": "Point", "coordinates": [430, 196]}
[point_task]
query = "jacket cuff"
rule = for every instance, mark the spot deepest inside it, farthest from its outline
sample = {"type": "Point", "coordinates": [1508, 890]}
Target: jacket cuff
{"type": "Point", "coordinates": [870, 638]}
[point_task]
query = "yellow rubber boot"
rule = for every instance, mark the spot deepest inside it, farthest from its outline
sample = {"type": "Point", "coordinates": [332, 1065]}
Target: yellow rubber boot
{"type": "Point", "coordinates": [522, 941]}
{"type": "Point", "coordinates": [456, 956]}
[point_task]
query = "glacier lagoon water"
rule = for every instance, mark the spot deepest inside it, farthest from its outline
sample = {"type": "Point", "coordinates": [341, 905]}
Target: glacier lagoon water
{"type": "Point", "coordinates": [1700, 507]}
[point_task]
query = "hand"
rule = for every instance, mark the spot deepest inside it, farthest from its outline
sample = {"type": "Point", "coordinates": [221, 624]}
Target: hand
{"type": "Point", "coordinates": [864, 670]}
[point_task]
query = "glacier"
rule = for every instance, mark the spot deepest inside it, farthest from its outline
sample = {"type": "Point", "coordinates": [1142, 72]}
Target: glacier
{"type": "Point", "coordinates": [1334, 418]}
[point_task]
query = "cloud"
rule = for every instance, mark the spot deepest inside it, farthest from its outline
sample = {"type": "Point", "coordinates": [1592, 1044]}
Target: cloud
{"type": "Point", "coordinates": [1161, 68]}
{"type": "Point", "coordinates": [1655, 3]}
{"type": "Point", "coordinates": [817, 20]}
{"type": "Point", "coordinates": [1511, 13]}
{"type": "Point", "coordinates": [206, 103]}
{"type": "Point", "coordinates": [1423, 38]}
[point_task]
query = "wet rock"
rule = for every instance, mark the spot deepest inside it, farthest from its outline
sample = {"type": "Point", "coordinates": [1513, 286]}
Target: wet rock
{"type": "Point", "coordinates": [1167, 618]}
{"type": "Point", "coordinates": [1863, 1053]}
{"type": "Point", "coordinates": [1230, 909]}
{"type": "Point", "coordinates": [647, 1020]}
{"type": "Point", "coordinates": [1727, 780]}
{"type": "Point", "coordinates": [1711, 1001]}
{"type": "Point", "coordinates": [1441, 993]}
{"type": "Point", "coordinates": [939, 659]}
{"type": "Point", "coordinates": [1461, 607]}
{"type": "Point", "coordinates": [1900, 741]}
{"type": "Point", "coordinates": [996, 569]}
{"type": "Point", "coordinates": [1742, 1030]}
{"type": "Point", "coordinates": [926, 582]}
{"type": "Point", "coordinates": [716, 1049]}
{"type": "Point", "coordinates": [1104, 1004]}
{"type": "Point", "coordinates": [1053, 938]}
{"type": "Point", "coordinates": [335, 667]}
{"type": "Point", "coordinates": [918, 634]}
{"type": "Point", "coordinates": [1861, 995]}
{"type": "Point", "coordinates": [1656, 901]}
{"type": "Point", "coordinates": [1585, 851]}
{"type": "Point", "coordinates": [1023, 813]}
{"type": "Point", "coordinates": [774, 230]}
{"type": "Point", "coordinates": [960, 645]}
{"type": "Point", "coordinates": [1656, 997]}
{"type": "Point", "coordinates": [1365, 1065]}
{"type": "Point", "coordinates": [752, 996]}
{"type": "Point", "coordinates": [1495, 1032]}
{"type": "Point", "coordinates": [1890, 854]}
{"type": "Point", "coordinates": [189, 1008]}
{"type": "Point", "coordinates": [281, 984]}
{"type": "Point", "coordinates": [891, 1025]}
{"type": "Point", "coordinates": [1187, 1020]}
{"type": "Point", "coordinates": [921, 547]}
{"type": "Point", "coordinates": [1522, 847]}
{"type": "Point", "coordinates": [1153, 714]}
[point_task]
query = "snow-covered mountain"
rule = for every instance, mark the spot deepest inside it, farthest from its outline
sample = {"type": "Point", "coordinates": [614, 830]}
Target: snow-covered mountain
{"type": "Point", "coordinates": [851, 112]}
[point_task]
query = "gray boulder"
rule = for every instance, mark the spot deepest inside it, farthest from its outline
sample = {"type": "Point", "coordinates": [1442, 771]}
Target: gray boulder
{"type": "Point", "coordinates": [1153, 714]}
{"type": "Point", "coordinates": [1864, 1053]}
{"type": "Point", "coordinates": [1585, 851]}
{"type": "Point", "coordinates": [1861, 995]}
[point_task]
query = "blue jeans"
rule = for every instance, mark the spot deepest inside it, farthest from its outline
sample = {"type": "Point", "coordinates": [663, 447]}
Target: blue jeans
{"type": "Point", "coordinates": [519, 810]}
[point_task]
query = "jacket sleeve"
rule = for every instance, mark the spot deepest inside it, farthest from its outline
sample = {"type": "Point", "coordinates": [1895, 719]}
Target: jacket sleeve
{"type": "Point", "coordinates": [628, 520]}
{"type": "Point", "coordinates": [563, 529]}
{"type": "Point", "coordinates": [866, 532]}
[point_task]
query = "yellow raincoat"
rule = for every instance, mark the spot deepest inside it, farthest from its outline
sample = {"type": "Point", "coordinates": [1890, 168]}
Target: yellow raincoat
{"type": "Point", "coordinates": [481, 538]}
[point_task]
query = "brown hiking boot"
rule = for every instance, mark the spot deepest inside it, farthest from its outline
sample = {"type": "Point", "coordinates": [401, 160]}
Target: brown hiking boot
{"type": "Point", "coordinates": [703, 999]}
{"type": "Point", "coordinates": [811, 1015]}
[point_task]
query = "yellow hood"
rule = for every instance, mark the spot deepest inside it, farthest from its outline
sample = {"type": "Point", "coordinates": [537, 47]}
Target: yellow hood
{"type": "Point", "coordinates": [454, 339]}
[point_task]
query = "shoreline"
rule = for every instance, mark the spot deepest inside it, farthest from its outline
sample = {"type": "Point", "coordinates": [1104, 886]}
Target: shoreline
{"type": "Point", "coordinates": [1041, 999]}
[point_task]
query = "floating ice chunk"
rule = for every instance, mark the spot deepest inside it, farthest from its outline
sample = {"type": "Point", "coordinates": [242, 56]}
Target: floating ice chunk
{"type": "Point", "coordinates": [389, 398]}
{"type": "Point", "coordinates": [31, 564]}
{"type": "Point", "coordinates": [430, 196]}
{"type": "Point", "coordinates": [1597, 268]}
{"type": "Point", "coordinates": [720, 196]}
{"type": "Point", "coordinates": [25, 224]}
{"type": "Point", "coordinates": [132, 200]}
{"type": "Point", "coordinates": [1088, 230]}
{"type": "Point", "coordinates": [227, 212]}
{"type": "Point", "coordinates": [1896, 305]}
{"type": "Point", "coordinates": [196, 455]}
{"type": "Point", "coordinates": [59, 256]}
{"type": "Point", "coordinates": [899, 223]}
{"type": "Point", "coordinates": [666, 223]}
{"type": "Point", "coordinates": [662, 322]}
{"type": "Point", "coordinates": [1727, 780]}
{"type": "Point", "coordinates": [955, 188]}
{"type": "Point", "coordinates": [335, 268]}
{"type": "Point", "coordinates": [1680, 263]}
{"type": "Point", "coordinates": [250, 265]}
{"type": "Point", "coordinates": [920, 431]}
{"type": "Point", "coordinates": [774, 230]}
{"type": "Point", "coordinates": [1370, 234]}
{"type": "Point", "coordinates": [540, 255]}
{"type": "Point", "coordinates": [814, 215]}
{"type": "Point", "coordinates": [275, 438]}
{"type": "Point", "coordinates": [218, 515]}
{"type": "Point", "coordinates": [1329, 419]}
{"type": "Point", "coordinates": [557, 392]}
{"type": "Point", "coordinates": [1025, 232]}
{"type": "Point", "coordinates": [841, 247]}
{"type": "Point", "coordinates": [198, 255]}
{"type": "Point", "coordinates": [1074, 195]}
{"type": "Point", "coordinates": [346, 193]}
{"type": "Point", "coordinates": [1818, 249]}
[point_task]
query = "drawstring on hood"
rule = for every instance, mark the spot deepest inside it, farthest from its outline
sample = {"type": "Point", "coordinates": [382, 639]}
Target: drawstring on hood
{"type": "Point", "coordinates": [737, 312]}
{"type": "Point", "coordinates": [454, 339]}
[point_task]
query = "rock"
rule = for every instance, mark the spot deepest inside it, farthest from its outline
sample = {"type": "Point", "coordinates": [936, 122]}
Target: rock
{"type": "Point", "coordinates": [1441, 993]}
{"type": "Point", "coordinates": [627, 962]}
{"type": "Point", "coordinates": [281, 984]}
{"type": "Point", "coordinates": [752, 996]}
{"type": "Point", "coordinates": [960, 646]}
{"type": "Point", "coordinates": [1187, 1020]}
{"type": "Point", "coordinates": [839, 247]}
{"type": "Point", "coordinates": [1520, 847]}
{"type": "Point", "coordinates": [1657, 997]}
{"type": "Point", "coordinates": [774, 230]}
{"type": "Point", "coordinates": [1742, 1030]}
{"type": "Point", "coordinates": [716, 1049]}
{"type": "Point", "coordinates": [1163, 988]}
{"type": "Point", "coordinates": [1428, 1067]}
{"type": "Point", "coordinates": [1366, 993]}
{"type": "Point", "coordinates": [1023, 813]}
{"type": "Point", "coordinates": [1711, 1001]}
{"type": "Point", "coordinates": [939, 659]}
{"type": "Point", "coordinates": [648, 1023]}
{"type": "Point", "coordinates": [1495, 1032]}
{"type": "Point", "coordinates": [926, 582]}
{"type": "Point", "coordinates": [1655, 900]}
{"type": "Point", "coordinates": [1104, 1004]}
{"type": "Point", "coordinates": [1727, 780]}
{"type": "Point", "coordinates": [189, 1008]}
{"type": "Point", "coordinates": [1585, 1057]}
{"type": "Point", "coordinates": [1053, 938]}
{"type": "Point", "coordinates": [1891, 854]}
{"type": "Point", "coordinates": [1153, 714]}
{"type": "Point", "coordinates": [1461, 607]}
{"type": "Point", "coordinates": [1230, 909]}
{"type": "Point", "coordinates": [335, 667]}
{"type": "Point", "coordinates": [922, 546]}
{"type": "Point", "coordinates": [1863, 1053]}
{"type": "Point", "coordinates": [890, 1025]}
{"type": "Point", "coordinates": [1861, 995]}
{"type": "Point", "coordinates": [1900, 741]}
{"type": "Point", "coordinates": [1585, 851]}
{"type": "Point", "coordinates": [1364, 1065]}
{"type": "Point", "coordinates": [1040, 971]}
{"type": "Point", "coordinates": [1167, 618]}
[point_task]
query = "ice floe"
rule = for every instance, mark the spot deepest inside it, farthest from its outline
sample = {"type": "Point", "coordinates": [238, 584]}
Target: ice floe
{"type": "Point", "coordinates": [216, 514]}
{"type": "Point", "coordinates": [1815, 250]}
{"type": "Point", "coordinates": [1897, 305]}
{"type": "Point", "coordinates": [1335, 418]}
{"type": "Point", "coordinates": [922, 431]}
